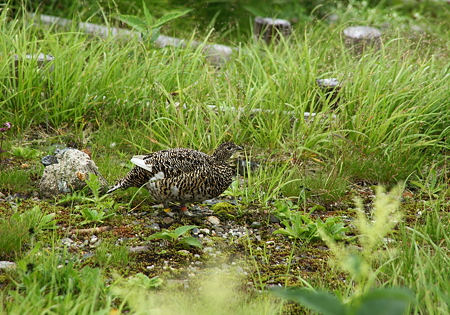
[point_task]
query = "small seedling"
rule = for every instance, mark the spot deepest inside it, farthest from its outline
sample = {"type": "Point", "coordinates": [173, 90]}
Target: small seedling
{"type": "Point", "coordinates": [176, 236]}
{"type": "Point", "coordinates": [150, 27]}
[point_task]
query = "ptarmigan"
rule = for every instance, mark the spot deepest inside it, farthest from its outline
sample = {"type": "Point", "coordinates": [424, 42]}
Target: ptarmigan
{"type": "Point", "coordinates": [181, 175]}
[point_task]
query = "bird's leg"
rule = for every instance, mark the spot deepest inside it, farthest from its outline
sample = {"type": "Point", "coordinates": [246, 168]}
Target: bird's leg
{"type": "Point", "coordinates": [166, 207]}
{"type": "Point", "coordinates": [183, 207]}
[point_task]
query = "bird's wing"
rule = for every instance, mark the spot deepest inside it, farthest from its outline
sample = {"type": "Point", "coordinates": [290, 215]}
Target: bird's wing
{"type": "Point", "coordinates": [170, 163]}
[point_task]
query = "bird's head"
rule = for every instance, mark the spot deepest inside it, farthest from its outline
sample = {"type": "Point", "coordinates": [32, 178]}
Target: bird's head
{"type": "Point", "coordinates": [225, 151]}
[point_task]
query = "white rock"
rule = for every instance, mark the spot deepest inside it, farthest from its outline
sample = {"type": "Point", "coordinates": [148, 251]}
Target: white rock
{"type": "Point", "coordinates": [7, 265]}
{"type": "Point", "coordinates": [69, 174]}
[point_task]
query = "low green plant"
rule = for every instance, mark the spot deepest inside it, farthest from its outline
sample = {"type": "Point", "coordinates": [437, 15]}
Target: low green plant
{"type": "Point", "coordinates": [13, 235]}
{"type": "Point", "coordinates": [52, 279]}
{"type": "Point", "coordinates": [176, 236]}
{"type": "Point", "coordinates": [431, 186]}
{"type": "Point", "coordinates": [102, 203]}
{"type": "Point", "coordinates": [283, 209]}
{"type": "Point", "coordinates": [16, 180]}
{"type": "Point", "coordinates": [20, 228]}
{"type": "Point", "coordinates": [36, 220]}
{"type": "Point", "coordinates": [109, 254]}
{"type": "Point", "coordinates": [215, 292]}
{"type": "Point", "coordinates": [94, 186]}
{"type": "Point", "coordinates": [143, 282]}
{"type": "Point", "coordinates": [25, 153]}
{"type": "Point", "coordinates": [93, 215]}
{"type": "Point", "coordinates": [303, 226]}
{"type": "Point", "coordinates": [360, 263]}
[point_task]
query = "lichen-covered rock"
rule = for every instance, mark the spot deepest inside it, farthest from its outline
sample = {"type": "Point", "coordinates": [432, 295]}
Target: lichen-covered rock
{"type": "Point", "coordinates": [68, 174]}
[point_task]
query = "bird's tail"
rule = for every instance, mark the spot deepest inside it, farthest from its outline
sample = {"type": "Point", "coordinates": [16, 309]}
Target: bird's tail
{"type": "Point", "coordinates": [137, 177]}
{"type": "Point", "coordinates": [115, 187]}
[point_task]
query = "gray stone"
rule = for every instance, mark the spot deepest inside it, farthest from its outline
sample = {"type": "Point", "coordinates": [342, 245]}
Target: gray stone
{"type": "Point", "coordinates": [256, 225]}
{"type": "Point", "coordinates": [69, 174]}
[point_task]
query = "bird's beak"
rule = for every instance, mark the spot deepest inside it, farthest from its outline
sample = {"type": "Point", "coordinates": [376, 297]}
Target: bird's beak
{"type": "Point", "coordinates": [239, 148]}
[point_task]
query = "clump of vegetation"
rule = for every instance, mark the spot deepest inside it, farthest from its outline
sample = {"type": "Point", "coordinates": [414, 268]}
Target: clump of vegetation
{"type": "Point", "coordinates": [21, 228]}
{"type": "Point", "coordinates": [224, 210]}
{"type": "Point", "coordinates": [176, 236]}
{"type": "Point", "coordinates": [304, 227]}
{"type": "Point", "coordinates": [359, 265]}
{"type": "Point", "coordinates": [104, 206]}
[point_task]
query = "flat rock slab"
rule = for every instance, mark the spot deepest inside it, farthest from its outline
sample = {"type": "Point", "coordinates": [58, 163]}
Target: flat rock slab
{"type": "Point", "coordinates": [68, 174]}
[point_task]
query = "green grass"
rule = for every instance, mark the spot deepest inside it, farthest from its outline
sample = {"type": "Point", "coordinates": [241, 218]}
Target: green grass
{"type": "Point", "coordinates": [119, 99]}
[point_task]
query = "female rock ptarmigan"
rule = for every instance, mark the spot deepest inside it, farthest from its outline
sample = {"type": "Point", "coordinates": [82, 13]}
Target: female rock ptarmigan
{"type": "Point", "coordinates": [181, 175]}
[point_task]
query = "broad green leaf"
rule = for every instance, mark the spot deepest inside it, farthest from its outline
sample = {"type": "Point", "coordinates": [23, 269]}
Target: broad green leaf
{"type": "Point", "coordinates": [169, 17]}
{"type": "Point", "coordinates": [191, 241]}
{"type": "Point", "coordinates": [385, 302]}
{"type": "Point", "coordinates": [134, 22]}
{"type": "Point", "coordinates": [321, 302]}
{"type": "Point", "coordinates": [284, 232]}
{"type": "Point", "coordinates": [183, 229]}
{"type": "Point", "coordinates": [164, 236]}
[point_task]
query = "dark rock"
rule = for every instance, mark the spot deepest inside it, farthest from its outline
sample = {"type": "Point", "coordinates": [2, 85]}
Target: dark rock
{"type": "Point", "coordinates": [49, 160]}
{"type": "Point", "coordinates": [274, 219]}
{"type": "Point", "coordinates": [256, 225]}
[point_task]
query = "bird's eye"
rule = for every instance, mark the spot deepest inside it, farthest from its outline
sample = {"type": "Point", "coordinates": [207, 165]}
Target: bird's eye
{"type": "Point", "coordinates": [229, 148]}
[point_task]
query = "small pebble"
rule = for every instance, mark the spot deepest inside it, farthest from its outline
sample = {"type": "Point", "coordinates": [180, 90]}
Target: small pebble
{"type": "Point", "coordinates": [213, 220]}
{"type": "Point", "coordinates": [66, 241]}
{"type": "Point", "coordinates": [256, 225]}
{"type": "Point", "coordinates": [168, 220]}
{"type": "Point", "coordinates": [205, 231]}
{"type": "Point", "coordinates": [154, 226]}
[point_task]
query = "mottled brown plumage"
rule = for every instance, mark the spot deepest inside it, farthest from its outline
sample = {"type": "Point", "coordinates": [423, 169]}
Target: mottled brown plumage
{"type": "Point", "coordinates": [181, 175]}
